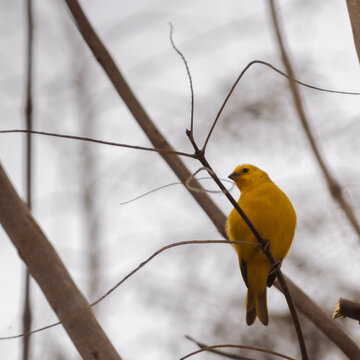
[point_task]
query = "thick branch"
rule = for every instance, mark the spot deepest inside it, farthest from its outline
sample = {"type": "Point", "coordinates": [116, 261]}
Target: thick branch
{"type": "Point", "coordinates": [108, 64]}
{"type": "Point", "coordinates": [46, 268]}
{"type": "Point", "coordinates": [322, 321]}
{"type": "Point", "coordinates": [334, 187]}
{"type": "Point", "coordinates": [347, 308]}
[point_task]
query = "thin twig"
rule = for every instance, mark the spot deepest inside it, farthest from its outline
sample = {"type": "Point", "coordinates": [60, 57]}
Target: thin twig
{"type": "Point", "coordinates": [263, 242]}
{"type": "Point", "coordinates": [156, 253]}
{"type": "Point", "coordinates": [211, 348]}
{"type": "Point", "coordinates": [177, 183]}
{"type": "Point", "coordinates": [188, 74]}
{"type": "Point", "coordinates": [333, 185]}
{"type": "Point", "coordinates": [27, 314]}
{"type": "Point", "coordinates": [246, 68]}
{"type": "Point", "coordinates": [126, 277]}
{"type": "Point", "coordinates": [73, 137]}
{"type": "Point", "coordinates": [192, 177]}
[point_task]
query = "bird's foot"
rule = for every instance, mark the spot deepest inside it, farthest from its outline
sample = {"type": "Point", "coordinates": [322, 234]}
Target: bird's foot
{"type": "Point", "coordinates": [266, 246]}
{"type": "Point", "coordinates": [273, 273]}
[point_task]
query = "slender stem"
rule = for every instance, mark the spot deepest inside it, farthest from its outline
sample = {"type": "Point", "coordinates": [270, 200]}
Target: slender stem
{"type": "Point", "coordinates": [82, 138]}
{"type": "Point", "coordinates": [189, 77]}
{"type": "Point", "coordinates": [263, 242]}
{"type": "Point", "coordinates": [242, 73]}
{"type": "Point", "coordinates": [27, 313]}
{"type": "Point", "coordinates": [211, 348]}
{"type": "Point", "coordinates": [71, 316]}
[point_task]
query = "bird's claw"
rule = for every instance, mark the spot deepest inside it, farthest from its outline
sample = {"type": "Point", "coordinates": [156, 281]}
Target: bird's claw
{"type": "Point", "coordinates": [266, 246]}
{"type": "Point", "coordinates": [273, 273]}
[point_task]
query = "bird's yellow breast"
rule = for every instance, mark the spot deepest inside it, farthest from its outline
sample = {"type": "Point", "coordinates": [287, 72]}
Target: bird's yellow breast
{"type": "Point", "coordinates": [272, 214]}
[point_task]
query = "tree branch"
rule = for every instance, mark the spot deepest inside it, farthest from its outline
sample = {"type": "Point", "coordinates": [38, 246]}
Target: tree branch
{"type": "Point", "coordinates": [333, 186]}
{"type": "Point", "coordinates": [212, 348]}
{"type": "Point", "coordinates": [27, 313]}
{"type": "Point", "coordinates": [323, 321]}
{"type": "Point", "coordinates": [347, 308]}
{"type": "Point", "coordinates": [46, 268]}
{"type": "Point", "coordinates": [264, 243]}
{"type": "Point", "coordinates": [108, 64]}
{"type": "Point", "coordinates": [214, 213]}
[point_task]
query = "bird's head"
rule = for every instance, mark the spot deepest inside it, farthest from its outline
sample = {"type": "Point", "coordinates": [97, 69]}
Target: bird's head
{"type": "Point", "coordinates": [246, 176]}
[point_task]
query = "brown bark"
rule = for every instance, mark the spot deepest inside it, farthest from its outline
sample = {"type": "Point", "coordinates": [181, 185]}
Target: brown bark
{"type": "Point", "coordinates": [46, 267]}
{"type": "Point", "coordinates": [303, 302]}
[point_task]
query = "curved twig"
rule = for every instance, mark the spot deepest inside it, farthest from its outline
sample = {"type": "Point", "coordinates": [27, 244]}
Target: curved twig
{"type": "Point", "coordinates": [192, 177]}
{"type": "Point", "coordinates": [205, 347]}
{"type": "Point", "coordinates": [178, 183]}
{"type": "Point", "coordinates": [242, 73]}
{"type": "Point", "coordinates": [27, 310]}
{"type": "Point", "coordinates": [188, 74]}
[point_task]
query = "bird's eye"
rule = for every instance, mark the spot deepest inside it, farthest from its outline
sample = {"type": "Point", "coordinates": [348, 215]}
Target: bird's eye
{"type": "Point", "coordinates": [245, 170]}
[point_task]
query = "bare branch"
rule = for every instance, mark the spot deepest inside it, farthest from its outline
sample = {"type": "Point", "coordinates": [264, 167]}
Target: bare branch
{"type": "Point", "coordinates": [106, 61]}
{"type": "Point", "coordinates": [126, 277]}
{"type": "Point", "coordinates": [162, 151]}
{"type": "Point", "coordinates": [47, 269]}
{"type": "Point", "coordinates": [242, 73]}
{"type": "Point", "coordinates": [333, 186]}
{"type": "Point", "coordinates": [177, 183]}
{"type": "Point", "coordinates": [262, 242]}
{"type": "Point", "coordinates": [347, 308]}
{"type": "Point", "coordinates": [211, 348]}
{"type": "Point", "coordinates": [189, 77]}
{"type": "Point", "coordinates": [322, 321]}
{"type": "Point", "coordinates": [27, 314]}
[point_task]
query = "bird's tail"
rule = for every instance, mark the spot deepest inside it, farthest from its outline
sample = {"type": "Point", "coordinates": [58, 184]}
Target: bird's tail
{"type": "Point", "coordinates": [256, 306]}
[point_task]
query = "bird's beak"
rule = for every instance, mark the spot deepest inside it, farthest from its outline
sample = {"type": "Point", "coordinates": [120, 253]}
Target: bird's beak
{"type": "Point", "coordinates": [233, 175]}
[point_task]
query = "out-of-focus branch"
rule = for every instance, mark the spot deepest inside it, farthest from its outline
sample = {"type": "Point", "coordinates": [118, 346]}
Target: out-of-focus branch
{"type": "Point", "coordinates": [212, 348]}
{"type": "Point", "coordinates": [334, 187]}
{"type": "Point", "coordinates": [214, 213]}
{"type": "Point", "coordinates": [262, 242]}
{"type": "Point", "coordinates": [27, 315]}
{"type": "Point", "coordinates": [46, 267]}
{"type": "Point", "coordinates": [96, 141]}
{"type": "Point", "coordinates": [233, 356]}
{"type": "Point", "coordinates": [347, 308]}
{"type": "Point", "coordinates": [127, 277]}
{"type": "Point", "coordinates": [353, 7]}
{"type": "Point", "coordinates": [322, 321]}
{"type": "Point", "coordinates": [108, 64]}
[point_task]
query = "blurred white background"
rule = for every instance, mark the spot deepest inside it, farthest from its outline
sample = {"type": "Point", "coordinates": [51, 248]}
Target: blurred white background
{"type": "Point", "coordinates": [197, 289]}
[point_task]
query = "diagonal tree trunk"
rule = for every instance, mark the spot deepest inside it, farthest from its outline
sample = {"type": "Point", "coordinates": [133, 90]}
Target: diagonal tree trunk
{"type": "Point", "coordinates": [46, 267]}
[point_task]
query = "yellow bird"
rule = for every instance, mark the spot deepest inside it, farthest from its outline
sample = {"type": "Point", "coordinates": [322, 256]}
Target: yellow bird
{"type": "Point", "coordinates": [273, 215]}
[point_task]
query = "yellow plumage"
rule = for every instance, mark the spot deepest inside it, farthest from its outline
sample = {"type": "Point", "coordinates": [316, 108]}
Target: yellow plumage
{"type": "Point", "coordinates": [273, 215]}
